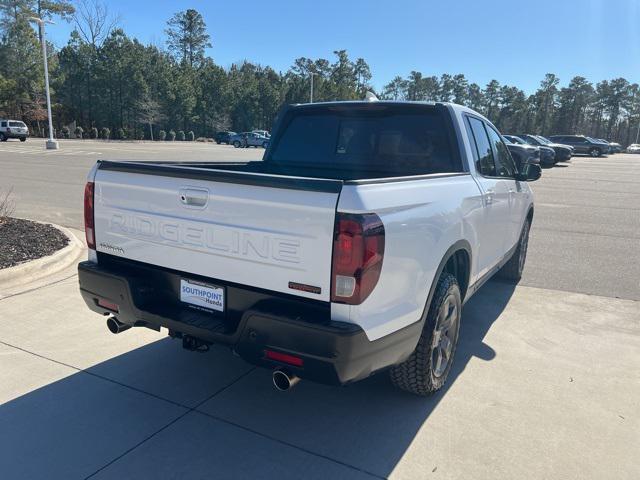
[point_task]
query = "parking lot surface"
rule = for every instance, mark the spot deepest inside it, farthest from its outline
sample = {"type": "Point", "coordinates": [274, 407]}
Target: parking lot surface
{"type": "Point", "coordinates": [545, 382]}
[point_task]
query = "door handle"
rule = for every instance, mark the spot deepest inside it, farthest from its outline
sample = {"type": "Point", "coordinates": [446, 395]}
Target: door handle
{"type": "Point", "coordinates": [488, 196]}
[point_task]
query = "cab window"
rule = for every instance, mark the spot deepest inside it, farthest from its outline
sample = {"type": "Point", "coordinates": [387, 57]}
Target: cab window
{"type": "Point", "coordinates": [505, 167]}
{"type": "Point", "coordinates": [485, 162]}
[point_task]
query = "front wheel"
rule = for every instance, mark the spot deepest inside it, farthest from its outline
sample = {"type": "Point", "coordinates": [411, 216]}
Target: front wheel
{"type": "Point", "coordinates": [426, 370]}
{"type": "Point", "coordinates": [23, 139]}
{"type": "Point", "coordinates": [595, 152]}
{"type": "Point", "coordinates": [512, 270]}
{"type": "Point", "coordinates": [236, 144]}
{"type": "Point", "coordinates": [265, 144]}
{"type": "Point", "coordinates": [2, 137]}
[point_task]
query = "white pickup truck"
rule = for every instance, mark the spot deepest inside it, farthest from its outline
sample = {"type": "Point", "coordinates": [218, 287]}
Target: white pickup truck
{"type": "Point", "coordinates": [349, 249]}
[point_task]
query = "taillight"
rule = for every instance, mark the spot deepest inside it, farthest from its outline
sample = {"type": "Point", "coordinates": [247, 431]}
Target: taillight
{"type": "Point", "coordinates": [88, 215]}
{"type": "Point", "coordinates": [358, 250]}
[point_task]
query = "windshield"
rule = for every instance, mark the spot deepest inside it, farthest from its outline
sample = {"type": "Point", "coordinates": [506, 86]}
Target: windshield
{"type": "Point", "coordinates": [392, 140]}
{"type": "Point", "coordinates": [543, 139]}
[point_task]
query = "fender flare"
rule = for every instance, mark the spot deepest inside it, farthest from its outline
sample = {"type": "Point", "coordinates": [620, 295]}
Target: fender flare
{"type": "Point", "coordinates": [459, 245]}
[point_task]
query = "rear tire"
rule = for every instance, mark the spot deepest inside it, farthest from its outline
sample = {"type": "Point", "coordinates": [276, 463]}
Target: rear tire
{"type": "Point", "coordinates": [595, 152]}
{"type": "Point", "coordinates": [424, 371]}
{"type": "Point", "coordinates": [512, 270]}
{"type": "Point", "coordinates": [2, 137]}
{"type": "Point", "coordinates": [23, 139]}
{"type": "Point", "coordinates": [236, 144]}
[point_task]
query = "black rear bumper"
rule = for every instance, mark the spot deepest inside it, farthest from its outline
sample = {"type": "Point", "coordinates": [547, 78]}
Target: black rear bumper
{"type": "Point", "coordinates": [255, 321]}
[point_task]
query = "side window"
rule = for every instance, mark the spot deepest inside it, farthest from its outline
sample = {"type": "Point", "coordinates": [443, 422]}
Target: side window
{"type": "Point", "coordinates": [4, 124]}
{"type": "Point", "coordinates": [485, 162]}
{"type": "Point", "coordinates": [505, 167]}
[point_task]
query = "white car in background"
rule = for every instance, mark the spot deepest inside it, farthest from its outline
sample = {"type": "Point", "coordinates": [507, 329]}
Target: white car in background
{"type": "Point", "coordinates": [13, 129]}
{"type": "Point", "coordinates": [633, 148]}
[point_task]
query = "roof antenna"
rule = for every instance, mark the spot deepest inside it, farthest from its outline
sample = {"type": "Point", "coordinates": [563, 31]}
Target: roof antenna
{"type": "Point", "coordinates": [370, 97]}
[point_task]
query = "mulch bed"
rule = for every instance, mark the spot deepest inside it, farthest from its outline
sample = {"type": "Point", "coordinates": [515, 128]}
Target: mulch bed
{"type": "Point", "coordinates": [23, 240]}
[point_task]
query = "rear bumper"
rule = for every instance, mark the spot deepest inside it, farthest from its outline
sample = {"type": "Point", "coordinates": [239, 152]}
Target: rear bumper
{"type": "Point", "coordinates": [333, 353]}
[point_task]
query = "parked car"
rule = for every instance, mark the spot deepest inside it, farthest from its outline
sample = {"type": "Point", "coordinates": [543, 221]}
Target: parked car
{"type": "Point", "coordinates": [615, 147]}
{"type": "Point", "coordinates": [348, 250]}
{"type": "Point", "coordinates": [546, 156]}
{"type": "Point", "coordinates": [563, 152]}
{"type": "Point", "coordinates": [522, 154]}
{"type": "Point", "coordinates": [249, 139]}
{"type": "Point", "coordinates": [264, 133]}
{"type": "Point", "coordinates": [606, 144]}
{"type": "Point", "coordinates": [13, 129]}
{"type": "Point", "coordinates": [633, 148]}
{"type": "Point", "coordinates": [581, 144]}
{"type": "Point", "coordinates": [224, 137]}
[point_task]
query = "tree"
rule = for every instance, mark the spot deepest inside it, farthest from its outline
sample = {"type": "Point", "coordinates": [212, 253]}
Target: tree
{"type": "Point", "coordinates": [188, 37]}
{"type": "Point", "coordinates": [93, 22]}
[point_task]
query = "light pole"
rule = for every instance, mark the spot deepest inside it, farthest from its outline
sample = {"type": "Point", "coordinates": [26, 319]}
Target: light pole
{"type": "Point", "coordinates": [311, 74]}
{"type": "Point", "coordinates": [51, 144]}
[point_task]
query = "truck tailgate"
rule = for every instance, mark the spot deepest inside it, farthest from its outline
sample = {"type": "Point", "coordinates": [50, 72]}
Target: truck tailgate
{"type": "Point", "coordinates": [264, 231]}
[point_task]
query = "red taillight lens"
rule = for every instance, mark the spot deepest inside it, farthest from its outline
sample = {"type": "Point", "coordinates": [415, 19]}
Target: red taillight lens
{"type": "Point", "coordinates": [108, 305]}
{"type": "Point", "coordinates": [358, 250]}
{"type": "Point", "coordinates": [88, 215]}
{"type": "Point", "coordinates": [283, 358]}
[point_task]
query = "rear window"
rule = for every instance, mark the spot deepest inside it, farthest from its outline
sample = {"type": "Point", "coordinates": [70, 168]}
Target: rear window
{"type": "Point", "coordinates": [16, 124]}
{"type": "Point", "coordinates": [389, 140]}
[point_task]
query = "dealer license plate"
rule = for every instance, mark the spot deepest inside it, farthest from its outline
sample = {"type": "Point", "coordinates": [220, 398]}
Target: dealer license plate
{"type": "Point", "coordinates": [201, 295]}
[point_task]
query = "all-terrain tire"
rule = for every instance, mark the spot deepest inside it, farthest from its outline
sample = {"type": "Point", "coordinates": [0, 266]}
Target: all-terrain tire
{"type": "Point", "coordinates": [512, 270]}
{"type": "Point", "coordinates": [417, 374]}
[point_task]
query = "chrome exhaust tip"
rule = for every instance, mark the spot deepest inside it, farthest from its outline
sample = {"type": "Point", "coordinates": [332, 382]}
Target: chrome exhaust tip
{"type": "Point", "coordinates": [284, 380]}
{"type": "Point", "coordinates": [116, 326]}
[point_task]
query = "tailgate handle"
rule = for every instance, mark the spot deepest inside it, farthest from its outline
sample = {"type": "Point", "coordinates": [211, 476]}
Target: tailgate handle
{"type": "Point", "coordinates": [194, 197]}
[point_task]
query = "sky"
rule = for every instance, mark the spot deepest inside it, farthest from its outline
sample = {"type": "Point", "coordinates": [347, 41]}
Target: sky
{"type": "Point", "coordinates": [516, 42]}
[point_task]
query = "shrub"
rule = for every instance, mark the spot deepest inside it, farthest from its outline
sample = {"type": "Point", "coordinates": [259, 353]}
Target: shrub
{"type": "Point", "coordinates": [140, 135]}
{"type": "Point", "coordinates": [94, 133]}
{"type": "Point", "coordinates": [78, 132]}
{"type": "Point", "coordinates": [7, 204]}
{"type": "Point", "coordinates": [162, 135]}
{"type": "Point", "coordinates": [64, 131]}
{"type": "Point", "coordinates": [105, 133]}
{"type": "Point", "coordinates": [191, 136]}
{"type": "Point", "coordinates": [181, 135]}
{"type": "Point", "coordinates": [172, 136]}
{"type": "Point", "coordinates": [122, 134]}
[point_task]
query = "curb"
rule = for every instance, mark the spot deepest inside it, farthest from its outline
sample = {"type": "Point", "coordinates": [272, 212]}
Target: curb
{"type": "Point", "coordinates": [33, 270]}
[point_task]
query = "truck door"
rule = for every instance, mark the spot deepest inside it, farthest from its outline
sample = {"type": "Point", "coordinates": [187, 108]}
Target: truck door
{"type": "Point", "coordinates": [506, 171]}
{"type": "Point", "coordinates": [495, 227]}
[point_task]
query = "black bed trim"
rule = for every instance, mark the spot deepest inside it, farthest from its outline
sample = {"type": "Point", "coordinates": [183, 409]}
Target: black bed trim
{"type": "Point", "coordinates": [200, 173]}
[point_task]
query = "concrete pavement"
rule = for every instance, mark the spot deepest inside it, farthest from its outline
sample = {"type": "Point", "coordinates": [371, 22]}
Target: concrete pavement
{"type": "Point", "coordinates": [534, 393]}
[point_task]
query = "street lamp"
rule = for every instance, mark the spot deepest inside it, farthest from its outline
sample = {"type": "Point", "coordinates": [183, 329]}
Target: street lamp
{"type": "Point", "coordinates": [51, 143]}
{"type": "Point", "coordinates": [311, 74]}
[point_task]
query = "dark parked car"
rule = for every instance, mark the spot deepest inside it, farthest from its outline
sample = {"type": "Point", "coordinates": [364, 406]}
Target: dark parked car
{"type": "Point", "coordinates": [563, 151]}
{"type": "Point", "coordinates": [582, 144]}
{"type": "Point", "coordinates": [546, 155]}
{"type": "Point", "coordinates": [615, 147]}
{"type": "Point", "coordinates": [224, 137]}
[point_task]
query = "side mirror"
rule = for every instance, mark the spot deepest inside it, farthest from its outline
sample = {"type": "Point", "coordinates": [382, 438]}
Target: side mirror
{"type": "Point", "coordinates": [530, 173]}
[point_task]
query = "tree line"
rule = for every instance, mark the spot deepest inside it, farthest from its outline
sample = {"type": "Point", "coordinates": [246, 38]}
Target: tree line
{"type": "Point", "coordinates": [106, 82]}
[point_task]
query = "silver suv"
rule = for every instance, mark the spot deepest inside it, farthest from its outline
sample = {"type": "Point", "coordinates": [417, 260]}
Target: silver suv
{"type": "Point", "coordinates": [13, 129]}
